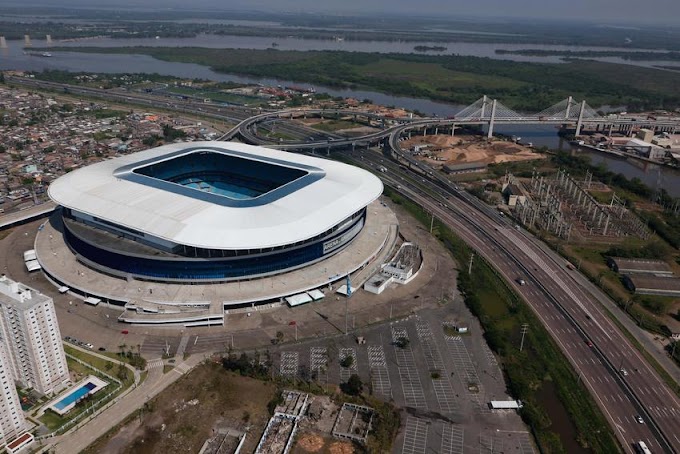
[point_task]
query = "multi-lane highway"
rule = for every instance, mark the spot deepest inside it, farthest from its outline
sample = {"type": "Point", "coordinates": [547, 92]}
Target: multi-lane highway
{"type": "Point", "coordinates": [567, 310]}
{"type": "Point", "coordinates": [248, 118]}
{"type": "Point", "coordinates": [593, 344]}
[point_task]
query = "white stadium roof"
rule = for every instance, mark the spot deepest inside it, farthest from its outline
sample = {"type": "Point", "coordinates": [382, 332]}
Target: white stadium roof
{"type": "Point", "coordinates": [102, 190]}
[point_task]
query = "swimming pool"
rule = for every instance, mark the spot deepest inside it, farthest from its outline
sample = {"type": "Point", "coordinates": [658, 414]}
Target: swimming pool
{"type": "Point", "coordinates": [67, 400]}
{"type": "Point", "coordinates": [74, 396]}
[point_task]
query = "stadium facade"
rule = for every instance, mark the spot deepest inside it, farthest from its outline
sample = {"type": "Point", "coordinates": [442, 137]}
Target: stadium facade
{"type": "Point", "coordinates": [208, 212]}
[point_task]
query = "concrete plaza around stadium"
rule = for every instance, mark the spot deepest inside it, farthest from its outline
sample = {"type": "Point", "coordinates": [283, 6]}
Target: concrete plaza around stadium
{"type": "Point", "coordinates": [363, 256]}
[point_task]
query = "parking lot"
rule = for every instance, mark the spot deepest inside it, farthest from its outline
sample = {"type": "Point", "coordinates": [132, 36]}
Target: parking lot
{"type": "Point", "coordinates": [443, 383]}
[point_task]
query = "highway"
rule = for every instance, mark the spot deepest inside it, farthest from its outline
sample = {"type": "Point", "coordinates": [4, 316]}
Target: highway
{"type": "Point", "coordinates": [563, 303]}
{"type": "Point", "coordinates": [568, 311]}
{"type": "Point", "coordinates": [248, 118]}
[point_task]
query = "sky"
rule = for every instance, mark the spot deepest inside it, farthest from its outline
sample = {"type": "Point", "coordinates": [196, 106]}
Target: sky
{"type": "Point", "coordinates": [607, 11]}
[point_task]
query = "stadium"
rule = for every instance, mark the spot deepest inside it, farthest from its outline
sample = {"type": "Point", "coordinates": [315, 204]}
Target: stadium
{"type": "Point", "coordinates": [211, 212]}
{"type": "Point", "coordinates": [181, 233]}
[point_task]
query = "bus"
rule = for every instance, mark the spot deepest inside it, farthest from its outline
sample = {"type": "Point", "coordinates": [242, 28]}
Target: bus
{"type": "Point", "coordinates": [642, 448]}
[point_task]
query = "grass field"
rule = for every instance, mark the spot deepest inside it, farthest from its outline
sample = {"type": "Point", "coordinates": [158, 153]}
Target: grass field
{"type": "Point", "coordinates": [335, 125]}
{"type": "Point", "coordinates": [101, 364]}
{"type": "Point", "coordinates": [183, 416]}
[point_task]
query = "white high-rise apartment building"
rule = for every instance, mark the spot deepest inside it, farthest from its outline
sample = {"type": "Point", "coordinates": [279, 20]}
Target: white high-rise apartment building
{"type": "Point", "coordinates": [29, 330]}
{"type": "Point", "coordinates": [12, 422]}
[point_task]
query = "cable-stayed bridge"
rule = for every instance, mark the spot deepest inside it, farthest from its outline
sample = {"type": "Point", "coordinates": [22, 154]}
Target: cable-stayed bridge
{"type": "Point", "coordinates": [484, 111]}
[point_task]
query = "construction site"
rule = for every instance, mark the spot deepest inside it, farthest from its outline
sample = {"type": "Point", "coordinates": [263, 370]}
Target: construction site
{"type": "Point", "coordinates": [441, 150]}
{"type": "Point", "coordinates": [280, 432]}
{"type": "Point", "coordinates": [353, 422]}
{"type": "Point", "coordinates": [564, 207]}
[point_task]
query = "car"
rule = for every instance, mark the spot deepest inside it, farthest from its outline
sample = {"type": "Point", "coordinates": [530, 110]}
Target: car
{"type": "Point", "coordinates": [521, 281]}
{"type": "Point", "coordinates": [589, 343]}
{"type": "Point", "coordinates": [624, 372]}
{"type": "Point", "coordinates": [639, 419]}
{"type": "Point", "coordinates": [88, 345]}
{"type": "Point", "coordinates": [124, 331]}
{"type": "Point", "coordinates": [101, 349]}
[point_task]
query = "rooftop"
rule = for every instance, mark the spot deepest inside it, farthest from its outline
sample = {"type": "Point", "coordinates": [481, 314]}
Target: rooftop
{"type": "Point", "coordinates": [17, 294]}
{"type": "Point", "coordinates": [641, 265]}
{"type": "Point", "coordinates": [647, 282]}
{"type": "Point", "coordinates": [308, 200]}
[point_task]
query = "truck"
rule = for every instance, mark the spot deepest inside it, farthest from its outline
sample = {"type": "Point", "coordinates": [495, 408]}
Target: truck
{"type": "Point", "coordinates": [642, 447]}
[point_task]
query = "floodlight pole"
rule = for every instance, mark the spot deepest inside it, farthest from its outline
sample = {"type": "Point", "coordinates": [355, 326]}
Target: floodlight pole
{"type": "Point", "coordinates": [349, 294]}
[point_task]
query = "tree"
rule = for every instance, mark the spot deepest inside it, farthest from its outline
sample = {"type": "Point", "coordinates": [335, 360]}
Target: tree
{"type": "Point", "coordinates": [279, 338]}
{"type": "Point", "coordinates": [402, 342]}
{"type": "Point", "coordinates": [347, 361]}
{"type": "Point", "coordinates": [150, 141]}
{"type": "Point", "coordinates": [354, 385]}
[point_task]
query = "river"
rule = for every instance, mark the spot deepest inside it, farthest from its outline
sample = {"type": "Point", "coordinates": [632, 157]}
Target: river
{"type": "Point", "coordinates": [399, 47]}
{"type": "Point", "coordinates": [14, 58]}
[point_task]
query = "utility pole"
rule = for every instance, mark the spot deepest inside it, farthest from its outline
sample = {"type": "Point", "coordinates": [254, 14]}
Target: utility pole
{"type": "Point", "coordinates": [525, 327]}
{"type": "Point", "coordinates": [472, 256]}
{"type": "Point", "coordinates": [349, 293]}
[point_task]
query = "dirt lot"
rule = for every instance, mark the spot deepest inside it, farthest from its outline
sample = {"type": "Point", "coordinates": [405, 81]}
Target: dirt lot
{"type": "Point", "coordinates": [444, 149]}
{"type": "Point", "coordinates": [206, 401]}
{"type": "Point", "coordinates": [315, 443]}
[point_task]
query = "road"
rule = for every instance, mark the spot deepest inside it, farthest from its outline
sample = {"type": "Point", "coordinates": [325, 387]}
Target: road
{"type": "Point", "coordinates": [247, 118]}
{"type": "Point", "coordinates": [567, 308]}
{"type": "Point", "coordinates": [570, 313]}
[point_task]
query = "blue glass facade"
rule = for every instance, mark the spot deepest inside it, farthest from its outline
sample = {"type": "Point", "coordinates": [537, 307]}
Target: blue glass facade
{"type": "Point", "coordinates": [186, 269]}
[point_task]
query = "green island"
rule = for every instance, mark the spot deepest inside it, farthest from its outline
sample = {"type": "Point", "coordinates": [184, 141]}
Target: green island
{"type": "Point", "coordinates": [429, 48]}
{"type": "Point", "coordinates": [456, 79]}
{"type": "Point", "coordinates": [625, 54]}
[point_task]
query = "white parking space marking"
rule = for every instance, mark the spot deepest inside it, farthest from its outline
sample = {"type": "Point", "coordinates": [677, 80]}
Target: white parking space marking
{"type": "Point", "coordinates": [408, 371]}
{"type": "Point", "coordinates": [415, 436]}
{"type": "Point", "coordinates": [289, 364]}
{"type": "Point", "coordinates": [380, 377]}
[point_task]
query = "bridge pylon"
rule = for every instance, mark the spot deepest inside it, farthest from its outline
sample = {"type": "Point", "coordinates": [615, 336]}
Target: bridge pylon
{"type": "Point", "coordinates": [568, 110]}
{"type": "Point", "coordinates": [487, 110]}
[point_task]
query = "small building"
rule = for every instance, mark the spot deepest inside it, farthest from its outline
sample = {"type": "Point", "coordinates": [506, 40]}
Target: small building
{"type": "Point", "coordinates": [639, 266]}
{"type": "Point", "coordinates": [20, 443]}
{"type": "Point", "coordinates": [470, 167]}
{"type": "Point", "coordinates": [644, 148]}
{"type": "Point", "coordinates": [645, 284]}
{"type": "Point", "coordinates": [646, 135]}
{"type": "Point", "coordinates": [378, 283]}
{"type": "Point", "coordinates": [402, 266]}
{"type": "Point", "coordinates": [514, 194]}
